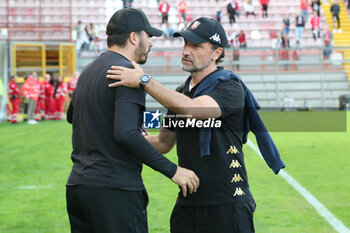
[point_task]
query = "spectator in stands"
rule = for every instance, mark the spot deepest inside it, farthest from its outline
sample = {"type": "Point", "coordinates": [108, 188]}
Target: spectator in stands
{"type": "Point", "coordinates": [164, 8]}
{"type": "Point", "coordinates": [316, 6]}
{"type": "Point", "coordinates": [236, 55]}
{"type": "Point", "coordinates": [295, 54]}
{"type": "Point", "coordinates": [327, 38]}
{"type": "Point", "coordinates": [95, 45]}
{"type": "Point", "coordinates": [14, 97]}
{"type": "Point", "coordinates": [127, 3]}
{"type": "Point", "coordinates": [88, 33]}
{"type": "Point", "coordinates": [182, 26]}
{"type": "Point", "coordinates": [299, 29]}
{"type": "Point", "coordinates": [231, 36]}
{"type": "Point", "coordinates": [168, 31]}
{"type": "Point", "coordinates": [79, 28]}
{"type": "Point", "coordinates": [315, 26]}
{"type": "Point", "coordinates": [304, 6]}
{"type": "Point", "coordinates": [218, 13]}
{"type": "Point", "coordinates": [182, 8]}
{"type": "Point", "coordinates": [335, 9]}
{"type": "Point", "coordinates": [249, 8]}
{"type": "Point", "coordinates": [242, 39]}
{"type": "Point", "coordinates": [232, 8]}
{"type": "Point", "coordinates": [348, 7]}
{"type": "Point", "coordinates": [286, 24]}
{"type": "Point", "coordinates": [264, 6]}
{"type": "Point", "coordinates": [30, 91]}
{"type": "Point", "coordinates": [297, 45]}
{"type": "Point", "coordinates": [83, 41]}
{"type": "Point", "coordinates": [276, 42]}
{"type": "Point", "coordinates": [93, 31]}
{"type": "Point", "coordinates": [285, 49]}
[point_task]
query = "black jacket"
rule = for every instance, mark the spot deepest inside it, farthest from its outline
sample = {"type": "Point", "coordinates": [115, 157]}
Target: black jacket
{"type": "Point", "coordinates": [335, 9]}
{"type": "Point", "coordinates": [230, 10]}
{"type": "Point", "coordinates": [302, 24]}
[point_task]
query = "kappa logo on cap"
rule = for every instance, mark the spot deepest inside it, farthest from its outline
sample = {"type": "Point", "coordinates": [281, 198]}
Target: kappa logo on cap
{"type": "Point", "coordinates": [195, 24]}
{"type": "Point", "coordinates": [216, 38]}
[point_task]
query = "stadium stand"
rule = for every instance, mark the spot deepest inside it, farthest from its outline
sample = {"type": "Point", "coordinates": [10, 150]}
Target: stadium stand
{"type": "Point", "coordinates": [277, 10]}
{"type": "Point", "coordinates": [49, 20]}
{"type": "Point", "coordinates": [341, 39]}
{"type": "Point", "coordinates": [308, 79]}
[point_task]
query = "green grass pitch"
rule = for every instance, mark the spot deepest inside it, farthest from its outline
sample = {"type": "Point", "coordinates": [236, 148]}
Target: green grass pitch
{"type": "Point", "coordinates": [39, 155]}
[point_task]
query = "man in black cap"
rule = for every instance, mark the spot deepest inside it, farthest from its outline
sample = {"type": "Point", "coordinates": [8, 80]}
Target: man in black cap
{"type": "Point", "coordinates": [105, 192]}
{"type": "Point", "coordinates": [220, 110]}
{"type": "Point", "coordinates": [223, 202]}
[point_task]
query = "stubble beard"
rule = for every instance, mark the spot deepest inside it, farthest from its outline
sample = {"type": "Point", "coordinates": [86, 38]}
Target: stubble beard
{"type": "Point", "coordinates": [141, 54]}
{"type": "Point", "coordinates": [194, 67]}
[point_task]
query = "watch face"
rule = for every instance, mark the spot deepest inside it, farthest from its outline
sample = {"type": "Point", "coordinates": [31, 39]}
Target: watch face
{"type": "Point", "coordinates": [144, 78]}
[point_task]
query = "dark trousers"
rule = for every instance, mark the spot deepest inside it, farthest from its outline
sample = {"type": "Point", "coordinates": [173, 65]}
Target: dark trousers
{"type": "Point", "coordinates": [336, 16]}
{"type": "Point", "coordinates": [316, 32]}
{"type": "Point", "coordinates": [230, 218]}
{"type": "Point", "coordinates": [264, 13]}
{"type": "Point", "coordinates": [183, 16]}
{"type": "Point", "coordinates": [232, 17]}
{"type": "Point", "coordinates": [164, 18]}
{"type": "Point", "coordinates": [93, 210]}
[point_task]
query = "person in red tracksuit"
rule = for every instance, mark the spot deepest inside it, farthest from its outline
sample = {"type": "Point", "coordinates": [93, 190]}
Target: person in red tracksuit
{"type": "Point", "coordinates": [31, 90]}
{"type": "Point", "coordinates": [60, 97]}
{"type": "Point", "coordinates": [164, 8]}
{"type": "Point", "coordinates": [14, 96]}
{"type": "Point", "coordinates": [40, 105]}
{"type": "Point", "coordinates": [315, 26]}
{"type": "Point", "coordinates": [49, 102]}
{"type": "Point", "coordinates": [264, 5]}
{"type": "Point", "coordinates": [72, 84]}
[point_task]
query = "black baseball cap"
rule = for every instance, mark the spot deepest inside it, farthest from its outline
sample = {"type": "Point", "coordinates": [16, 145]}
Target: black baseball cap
{"type": "Point", "coordinates": [128, 20]}
{"type": "Point", "coordinates": [204, 30]}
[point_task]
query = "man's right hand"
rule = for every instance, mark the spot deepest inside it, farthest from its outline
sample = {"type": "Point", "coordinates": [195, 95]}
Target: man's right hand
{"type": "Point", "coordinates": [127, 77]}
{"type": "Point", "coordinates": [186, 179]}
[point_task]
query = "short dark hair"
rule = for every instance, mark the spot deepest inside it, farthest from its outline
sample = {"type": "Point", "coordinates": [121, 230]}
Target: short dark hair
{"type": "Point", "coordinates": [222, 55]}
{"type": "Point", "coordinates": [117, 39]}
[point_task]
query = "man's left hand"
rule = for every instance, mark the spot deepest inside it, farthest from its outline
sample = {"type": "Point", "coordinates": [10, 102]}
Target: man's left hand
{"type": "Point", "coordinates": [127, 77]}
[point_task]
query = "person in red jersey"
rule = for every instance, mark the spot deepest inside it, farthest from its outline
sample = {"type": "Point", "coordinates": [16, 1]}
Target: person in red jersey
{"type": "Point", "coordinates": [264, 5]}
{"type": "Point", "coordinates": [40, 105]}
{"type": "Point", "coordinates": [164, 8]}
{"type": "Point", "coordinates": [60, 97]}
{"type": "Point", "coordinates": [72, 84]}
{"type": "Point", "coordinates": [49, 102]}
{"type": "Point", "coordinates": [31, 91]}
{"type": "Point", "coordinates": [14, 96]}
{"type": "Point", "coordinates": [182, 7]}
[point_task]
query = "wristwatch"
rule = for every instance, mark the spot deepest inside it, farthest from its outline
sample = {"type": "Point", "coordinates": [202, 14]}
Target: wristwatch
{"type": "Point", "coordinates": [144, 79]}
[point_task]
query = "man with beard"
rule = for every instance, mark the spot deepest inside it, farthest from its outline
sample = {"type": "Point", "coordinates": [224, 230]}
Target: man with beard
{"type": "Point", "coordinates": [105, 192]}
{"type": "Point", "coordinates": [223, 202]}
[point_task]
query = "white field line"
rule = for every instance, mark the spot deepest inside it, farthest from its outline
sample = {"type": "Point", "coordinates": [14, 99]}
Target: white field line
{"type": "Point", "coordinates": [320, 208]}
{"type": "Point", "coordinates": [34, 187]}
